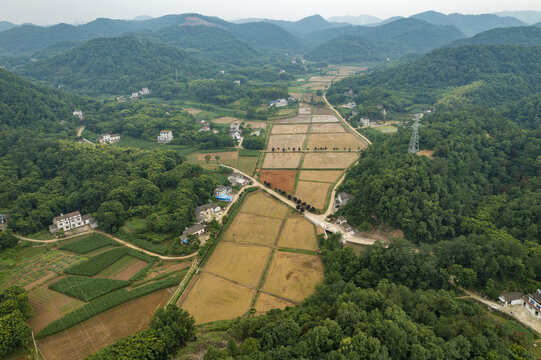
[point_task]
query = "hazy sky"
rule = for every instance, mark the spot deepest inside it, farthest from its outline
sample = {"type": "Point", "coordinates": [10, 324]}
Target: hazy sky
{"type": "Point", "coordinates": [54, 11]}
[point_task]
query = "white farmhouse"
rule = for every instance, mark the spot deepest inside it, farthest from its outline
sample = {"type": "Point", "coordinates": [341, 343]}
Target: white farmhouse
{"type": "Point", "coordinates": [365, 121]}
{"type": "Point", "coordinates": [134, 95]}
{"type": "Point", "coordinates": [79, 114]}
{"type": "Point", "coordinates": [165, 136]}
{"type": "Point", "coordinates": [532, 303]}
{"type": "Point", "coordinates": [144, 91]}
{"type": "Point", "coordinates": [72, 221]}
{"type": "Point", "coordinates": [109, 138]}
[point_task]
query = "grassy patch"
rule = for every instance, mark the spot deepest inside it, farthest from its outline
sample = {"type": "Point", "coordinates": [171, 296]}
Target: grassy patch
{"type": "Point", "coordinates": [87, 289]}
{"type": "Point", "coordinates": [244, 152]}
{"type": "Point", "coordinates": [88, 243]}
{"type": "Point", "coordinates": [40, 235]}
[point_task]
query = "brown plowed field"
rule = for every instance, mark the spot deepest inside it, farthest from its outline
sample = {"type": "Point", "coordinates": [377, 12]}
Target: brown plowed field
{"type": "Point", "coordinates": [281, 179]}
{"type": "Point", "coordinates": [282, 160]}
{"type": "Point", "coordinates": [241, 263]}
{"type": "Point", "coordinates": [293, 276]}
{"type": "Point", "coordinates": [320, 111]}
{"type": "Point", "coordinates": [299, 119]}
{"type": "Point", "coordinates": [267, 302]}
{"type": "Point", "coordinates": [49, 305]}
{"type": "Point", "coordinates": [213, 298]}
{"type": "Point", "coordinates": [102, 330]}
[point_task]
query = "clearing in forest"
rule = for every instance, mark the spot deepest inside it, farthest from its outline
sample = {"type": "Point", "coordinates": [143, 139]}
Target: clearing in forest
{"type": "Point", "coordinates": [241, 263]}
{"type": "Point", "coordinates": [327, 128]}
{"type": "Point", "coordinates": [281, 160]}
{"type": "Point", "coordinates": [267, 302]}
{"type": "Point", "coordinates": [281, 179]}
{"type": "Point", "coordinates": [290, 129]}
{"type": "Point", "coordinates": [342, 141]}
{"type": "Point", "coordinates": [314, 193]}
{"type": "Point", "coordinates": [298, 233]}
{"type": "Point", "coordinates": [329, 160]}
{"type": "Point", "coordinates": [330, 176]}
{"type": "Point", "coordinates": [261, 203]}
{"type": "Point", "coordinates": [293, 276]}
{"type": "Point", "coordinates": [286, 141]}
{"type": "Point", "coordinates": [253, 229]}
{"type": "Point", "coordinates": [104, 329]}
{"type": "Point", "coordinates": [213, 298]}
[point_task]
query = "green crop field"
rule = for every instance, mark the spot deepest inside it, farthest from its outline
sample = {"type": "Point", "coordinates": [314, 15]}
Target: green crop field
{"type": "Point", "coordinates": [88, 243]}
{"type": "Point", "coordinates": [101, 261]}
{"type": "Point", "coordinates": [87, 289]}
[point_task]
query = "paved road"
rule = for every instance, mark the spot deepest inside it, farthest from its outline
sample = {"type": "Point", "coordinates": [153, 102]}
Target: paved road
{"type": "Point", "coordinates": [125, 243]}
{"type": "Point", "coordinates": [345, 122]}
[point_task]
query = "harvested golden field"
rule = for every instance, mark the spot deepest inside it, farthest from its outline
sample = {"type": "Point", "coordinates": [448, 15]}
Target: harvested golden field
{"type": "Point", "coordinates": [329, 160]}
{"type": "Point", "coordinates": [324, 119]}
{"type": "Point", "coordinates": [261, 203]}
{"type": "Point", "coordinates": [226, 120]}
{"type": "Point", "coordinates": [314, 193]}
{"type": "Point", "coordinates": [298, 233]}
{"type": "Point", "coordinates": [327, 128]}
{"type": "Point", "coordinates": [253, 229]}
{"type": "Point", "coordinates": [281, 179]}
{"type": "Point", "coordinates": [299, 119]}
{"type": "Point", "coordinates": [213, 298]}
{"type": "Point", "coordinates": [293, 276]}
{"type": "Point", "coordinates": [49, 305]}
{"type": "Point", "coordinates": [282, 160]}
{"type": "Point", "coordinates": [104, 329]}
{"type": "Point", "coordinates": [305, 110]}
{"type": "Point", "coordinates": [241, 263]}
{"type": "Point", "coordinates": [290, 129]}
{"type": "Point", "coordinates": [286, 141]}
{"type": "Point", "coordinates": [226, 155]}
{"type": "Point", "coordinates": [330, 176]}
{"type": "Point", "coordinates": [267, 302]}
{"type": "Point", "coordinates": [342, 141]}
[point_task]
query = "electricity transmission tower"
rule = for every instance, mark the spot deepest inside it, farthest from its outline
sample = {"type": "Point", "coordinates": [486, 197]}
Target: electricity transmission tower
{"type": "Point", "coordinates": [414, 141]}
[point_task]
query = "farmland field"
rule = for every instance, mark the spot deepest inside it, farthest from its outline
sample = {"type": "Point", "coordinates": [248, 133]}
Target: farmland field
{"type": "Point", "coordinates": [85, 288]}
{"type": "Point", "coordinates": [320, 175]}
{"type": "Point", "coordinates": [327, 128]}
{"type": "Point", "coordinates": [267, 302]}
{"type": "Point", "coordinates": [49, 305]}
{"type": "Point", "coordinates": [305, 110]}
{"type": "Point", "coordinates": [293, 276]}
{"type": "Point", "coordinates": [324, 119]}
{"type": "Point", "coordinates": [261, 203]}
{"type": "Point", "coordinates": [226, 120]}
{"type": "Point", "coordinates": [290, 129]}
{"type": "Point", "coordinates": [298, 233]}
{"type": "Point", "coordinates": [299, 119]}
{"type": "Point", "coordinates": [282, 160]}
{"type": "Point", "coordinates": [87, 243]}
{"type": "Point", "coordinates": [84, 339]}
{"type": "Point", "coordinates": [253, 229]}
{"type": "Point", "coordinates": [341, 141]}
{"type": "Point", "coordinates": [241, 263]}
{"type": "Point", "coordinates": [213, 298]}
{"type": "Point", "coordinates": [256, 124]}
{"type": "Point", "coordinates": [286, 141]}
{"type": "Point", "coordinates": [281, 179]}
{"type": "Point", "coordinates": [325, 111]}
{"type": "Point", "coordinates": [328, 160]}
{"type": "Point", "coordinates": [386, 129]}
{"type": "Point", "coordinates": [314, 193]}
{"type": "Point", "coordinates": [123, 269]}
{"type": "Point", "coordinates": [226, 155]}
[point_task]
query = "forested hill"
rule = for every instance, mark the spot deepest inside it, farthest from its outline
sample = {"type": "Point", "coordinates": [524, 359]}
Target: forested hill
{"type": "Point", "coordinates": [519, 36]}
{"type": "Point", "coordinates": [210, 43]}
{"type": "Point", "coordinates": [479, 74]}
{"type": "Point", "coordinates": [115, 66]}
{"type": "Point", "coordinates": [28, 106]}
{"type": "Point", "coordinates": [268, 38]}
{"type": "Point", "coordinates": [390, 40]}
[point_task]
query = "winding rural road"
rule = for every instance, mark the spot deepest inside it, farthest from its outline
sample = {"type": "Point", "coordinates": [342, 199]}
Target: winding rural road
{"type": "Point", "coordinates": [125, 243]}
{"type": "Point", "coordinates": [80, 130]}
{"type": "Point", "coordinates": [345, 122]}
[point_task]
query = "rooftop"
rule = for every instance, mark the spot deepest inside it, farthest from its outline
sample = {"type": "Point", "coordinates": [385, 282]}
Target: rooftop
{"type": "Point", "coordinates": [513, 295]}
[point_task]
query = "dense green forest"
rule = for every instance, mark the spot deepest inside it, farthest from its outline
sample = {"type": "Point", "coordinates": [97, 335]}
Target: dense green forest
{"type": "Point", "coordinates": [14, 309]}
{"type": "Point", "coordinates": [32, 107]}
{"type": "Point", "coordinates": [475, 74]}
{"type": "Point", "coordinates": [42, 178]}
{"type": "Point", "coordinates": [518, 36]}
{"type": "Point", "coordinates": [116, 66]}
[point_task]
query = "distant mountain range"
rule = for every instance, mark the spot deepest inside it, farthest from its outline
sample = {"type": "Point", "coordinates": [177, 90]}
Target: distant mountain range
{"type": "Point", "coordinates": [6, 25]}
{"type": "Point", "coordinates": [518, 36]}
{"type": "Point", "coordinates": [300, 27]}
{"type": "Point", "coordinates": [356, 20]}
{"type": "Point", "coordinates": [529, 17]}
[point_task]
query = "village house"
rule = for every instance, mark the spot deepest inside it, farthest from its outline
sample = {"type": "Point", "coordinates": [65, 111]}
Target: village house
{"type": "Point", "coordinates": [79, 114]}
{"type": "Point", "coordinates": [343, 198]}
{"type": "Point", "coordinates": [239, 180]}
{"type": "Point", "coordinates": [532, 303]}
{"type": "Point", "coordinates": [3, 222]}
{"type": "Point", "coordinates": [196, 229]}
{"type": "Point", "coordinates": [165, 136]}
{"type": "Point", "coordinates": [204, 128]}
{"type": "Point", "coordinates": [109, 138]}
{"type": "Point", "coordinates": [134, 96]}
{"type": "Point", "coordinates": [365, 121]}
{"type": "Point", "coordinates": [511, 298]}
{"type": "Point", "coordinates": [144, 91]}
{"type": "Point", "coordinates": [237, 82]}
{"type": "Point", "coordinates": [278, 103]}
{"type": "Point", "coordinates": [350, 105]}
{"type": "Point", "coordinates": [72, 221]}
{"type": "Point", "coordinates": [222, 190]}
{"type": "Point", "coordinates": [206, 212]}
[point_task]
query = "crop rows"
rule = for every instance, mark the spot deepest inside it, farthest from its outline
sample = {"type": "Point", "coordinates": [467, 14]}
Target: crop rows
{"type": "Point", "coordinates": [101, 261]}
{"type": "Point", "coordinates": [85, 288]}
{"type": "Point", "coordinates": [103, 304]}
{"type": "Point", "coordinates": [86, 244]}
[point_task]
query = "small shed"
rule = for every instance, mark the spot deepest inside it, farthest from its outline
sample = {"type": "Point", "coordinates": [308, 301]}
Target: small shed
{"type": "Point", "coordinates": [511, 298]}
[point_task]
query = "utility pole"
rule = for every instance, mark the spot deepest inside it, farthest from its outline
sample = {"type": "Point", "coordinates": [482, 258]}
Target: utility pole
{"type": "Point", "coordinates": [414, 141]}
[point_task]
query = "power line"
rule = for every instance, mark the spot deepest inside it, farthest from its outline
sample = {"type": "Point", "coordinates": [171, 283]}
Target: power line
{"type": "Point", "coordinates": [414, 140]}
